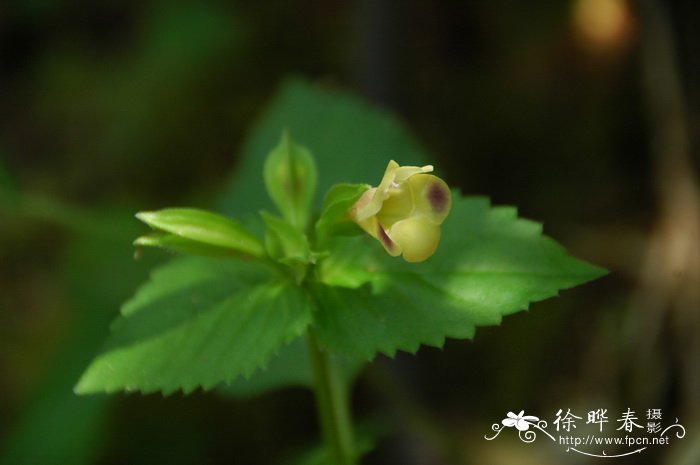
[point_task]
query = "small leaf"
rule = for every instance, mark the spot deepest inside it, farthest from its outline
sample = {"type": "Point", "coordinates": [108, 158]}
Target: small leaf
{"type": "Point", "coordinates": [283, 241]}
{"type": "Point", "coordinates": [489, 264]}
{"type": "Point", "coordinates": [290, 179]}
{"type": "Point", "coordinates": [182, 245]}
{"type": "Point", "coordinates": [198, 322]}
{"type": "Point", "coordinates": [334, 219]}
{"type": "Point", "coordinates": [287, 245]}
{"type": "Point", "coordinates": [205, 227]}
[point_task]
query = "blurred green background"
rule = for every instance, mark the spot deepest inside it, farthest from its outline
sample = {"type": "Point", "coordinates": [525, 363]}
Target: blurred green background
{"type": "Point", "coordinates": [583, 113]}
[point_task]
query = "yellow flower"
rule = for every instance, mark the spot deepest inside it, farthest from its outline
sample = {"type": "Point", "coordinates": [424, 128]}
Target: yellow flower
{"type": "Point", "coordinates": [405, 211]}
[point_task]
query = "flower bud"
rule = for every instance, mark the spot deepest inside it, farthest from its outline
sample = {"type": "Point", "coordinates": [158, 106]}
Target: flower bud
{"type": "Point", "coordinates": [405, 211]}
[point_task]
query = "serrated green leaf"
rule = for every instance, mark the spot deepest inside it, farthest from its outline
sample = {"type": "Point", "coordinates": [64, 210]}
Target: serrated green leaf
{"type": "Point", "coordinates": [291, 367]}
{"type": "Point", "coordinates": [334, 215]}
{"type": "Point", "coordinates": [198, 322]}
{"type": "Point", "coordinates": [205, 227]}
{"type": "Point", "coordinates": [489, 264]}
{"type": "Point", "coordinates": [290, 178]}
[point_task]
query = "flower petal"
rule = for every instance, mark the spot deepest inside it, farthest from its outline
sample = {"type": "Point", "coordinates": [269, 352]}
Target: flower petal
{"type": "Point", "coordinates": [394, 177]}
{"type": "Point", "coordinates": [431, 197]}
{"type": "Point", "coordinates": [373, 204]}
{"type": "Point", "coordinates": [361, 206]}
{"type": "Point", "coordinates": [394, 249]}
{"type": "Point", "coordinates": [374, 229]}
{"type": "Point", "coordinates": [416, 236]}
{"type": "Point", "coordinates": [405, 172]}
{"type": "Point", "coordinates": [398, 206]}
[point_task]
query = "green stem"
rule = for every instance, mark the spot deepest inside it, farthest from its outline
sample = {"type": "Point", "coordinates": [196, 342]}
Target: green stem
{"type": "Point", "coordinates": [332, 403]}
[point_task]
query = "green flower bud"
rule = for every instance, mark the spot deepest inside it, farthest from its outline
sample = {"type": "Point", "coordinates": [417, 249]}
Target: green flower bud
{"type": "Point", "coordinates": [405, 211]}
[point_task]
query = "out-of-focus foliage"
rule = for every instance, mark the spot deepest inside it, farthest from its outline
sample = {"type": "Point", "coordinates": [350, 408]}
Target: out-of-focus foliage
{"type": "Point", "coordinates": [7, 189]}
{"type": "Point", "coordinates": [349, 139]}
{"type": "Point", "coordinates": [148, 98]}
{"type": "Point", "coordinates": [97, 273]}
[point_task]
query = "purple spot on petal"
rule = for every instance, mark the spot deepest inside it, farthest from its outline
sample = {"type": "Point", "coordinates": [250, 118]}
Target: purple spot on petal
{"type": "Point", "coordinates": [384, 237]}
{"type": "Point", "coordinates": [438, 197]}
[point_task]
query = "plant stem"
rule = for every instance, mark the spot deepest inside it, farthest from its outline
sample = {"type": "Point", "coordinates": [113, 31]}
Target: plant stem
{"type": "Point", "coordinates": [332, 403]}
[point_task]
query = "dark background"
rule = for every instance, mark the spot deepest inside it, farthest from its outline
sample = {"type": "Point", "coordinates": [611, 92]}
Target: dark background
{"type": "Point", "coordinates": [583, 113]}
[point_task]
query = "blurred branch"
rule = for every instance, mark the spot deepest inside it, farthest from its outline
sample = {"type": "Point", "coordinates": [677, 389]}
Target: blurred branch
{"type": "Point", "coordinates": [668, 280]}
{"type": "Point", "coordinates": [43, 208]}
